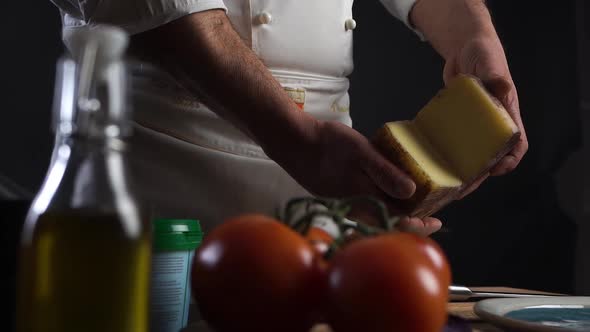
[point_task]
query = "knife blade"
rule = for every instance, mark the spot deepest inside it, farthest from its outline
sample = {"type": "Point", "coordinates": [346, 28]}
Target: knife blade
{"type": "Point", "coordinates": [463, 293]}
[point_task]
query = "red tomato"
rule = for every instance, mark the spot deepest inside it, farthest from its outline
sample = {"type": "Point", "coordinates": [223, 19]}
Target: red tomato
{"type": "Point", "coordinates": [432, 251]}
{"type": "Point", "coordinates": [253, 273]}
{"type": "Point", "coordinates": [319, 239]}
{"type": "Point", "coordinates": [386, 283]}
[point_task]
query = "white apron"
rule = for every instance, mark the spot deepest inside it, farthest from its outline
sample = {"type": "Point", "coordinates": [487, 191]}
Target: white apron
{"type": "Point", "coordinates": [190, 163]}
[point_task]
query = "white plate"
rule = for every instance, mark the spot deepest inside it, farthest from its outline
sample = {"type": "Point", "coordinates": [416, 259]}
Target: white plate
{"type": "Point", "coordinates": [544, 314]}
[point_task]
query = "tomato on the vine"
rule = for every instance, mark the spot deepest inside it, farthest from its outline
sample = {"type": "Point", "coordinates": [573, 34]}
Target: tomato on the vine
{"type": "Point", "coordinates": [388, 283]}
{"type": "Point", "coordinates": [434, 253]}
{"type": "Point", "coordinates": [319, 239]}
{"type": "Point", "coordinates": [253, 273]}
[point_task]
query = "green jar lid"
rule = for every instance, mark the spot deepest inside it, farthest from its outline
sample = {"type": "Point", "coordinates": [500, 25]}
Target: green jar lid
{"type": "Point", "coordinates": [177, 234]}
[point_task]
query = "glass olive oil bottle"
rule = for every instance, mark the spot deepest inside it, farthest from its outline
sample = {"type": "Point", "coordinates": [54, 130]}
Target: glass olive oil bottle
{"type": "Point", "coordinates": [85, 253]}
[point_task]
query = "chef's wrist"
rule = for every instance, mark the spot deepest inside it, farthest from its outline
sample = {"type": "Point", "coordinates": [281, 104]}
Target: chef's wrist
{"type": "Point", "coordinates": [284, 136]}
{"type": "Point", "coordinates": [450, 24]}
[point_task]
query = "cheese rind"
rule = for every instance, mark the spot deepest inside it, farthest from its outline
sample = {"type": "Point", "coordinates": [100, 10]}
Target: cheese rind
{"type": "Point", "coordinates": [410, 150]}
{"type": "Point", "coordinates": [457, 137]}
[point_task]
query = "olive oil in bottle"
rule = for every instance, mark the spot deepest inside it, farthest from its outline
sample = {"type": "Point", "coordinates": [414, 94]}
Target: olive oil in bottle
{"type": "Point", "coordinates": [86, 247]}
{"type": "Point", "coordinates": [82, 268]}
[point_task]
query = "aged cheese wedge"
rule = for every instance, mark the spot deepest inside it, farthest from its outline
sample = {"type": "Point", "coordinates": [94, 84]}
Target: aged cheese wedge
{"type": "Point", "coordinates": [457, 137]}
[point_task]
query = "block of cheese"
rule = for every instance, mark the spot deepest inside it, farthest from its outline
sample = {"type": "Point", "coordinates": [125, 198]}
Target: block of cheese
{"type": "Point", "coordinates": [457, 137]}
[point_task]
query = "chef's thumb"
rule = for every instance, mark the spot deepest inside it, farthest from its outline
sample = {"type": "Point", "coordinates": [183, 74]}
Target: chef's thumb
{"type": "Point", "coordinates": [388, 177]}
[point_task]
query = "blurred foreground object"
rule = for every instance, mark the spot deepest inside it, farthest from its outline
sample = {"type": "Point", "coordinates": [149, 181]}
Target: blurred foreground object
{"type": "Point", "coordinates": [85, 247]}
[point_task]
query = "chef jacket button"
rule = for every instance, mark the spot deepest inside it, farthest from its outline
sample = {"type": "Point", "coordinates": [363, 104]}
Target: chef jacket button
{"type": "Point", "coordinates": [264, 18]}
{"type": "Point", "coordinates": [350, 24]}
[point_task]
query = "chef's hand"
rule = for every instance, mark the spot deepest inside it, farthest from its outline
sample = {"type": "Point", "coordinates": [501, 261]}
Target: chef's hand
{"type": "Point", "coordinates": [463, 33]}
{"type": "Point", "coordinates": [484, 58]}
{"type": "Point", "coordinates": [340, 162]}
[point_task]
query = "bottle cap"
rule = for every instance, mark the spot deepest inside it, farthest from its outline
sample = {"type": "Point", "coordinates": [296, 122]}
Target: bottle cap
{"type": "Point", "coordinates": [177, 234]}
{"type": "Point", "coordinates": [91, 95]}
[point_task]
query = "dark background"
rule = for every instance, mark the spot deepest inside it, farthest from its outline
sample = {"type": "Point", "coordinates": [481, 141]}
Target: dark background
{"type": "Point", "coordinates": [511, 232]}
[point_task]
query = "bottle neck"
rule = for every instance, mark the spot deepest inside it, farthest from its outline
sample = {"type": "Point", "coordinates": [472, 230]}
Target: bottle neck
{"type": "Point", "coordinates": [91, 119]}
{"type": "Point", "coordinates": [92, 105]}
{"type": "Point", "coordinates": [83, 144]}
{"type": "Point", "coordinates": [87, 172]}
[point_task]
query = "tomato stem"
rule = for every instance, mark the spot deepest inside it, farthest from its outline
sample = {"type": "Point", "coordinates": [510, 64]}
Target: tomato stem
{"type": "Point", "coordinates": [307, 219]}
{"type": "Point", "coordinates": [337, 210]}
{"type": "Point", "coordinates": [290, 209]}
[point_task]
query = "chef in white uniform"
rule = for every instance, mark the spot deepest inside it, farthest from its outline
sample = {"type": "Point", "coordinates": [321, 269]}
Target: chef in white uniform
{"type": "Point", "coordinates": [241, 105]}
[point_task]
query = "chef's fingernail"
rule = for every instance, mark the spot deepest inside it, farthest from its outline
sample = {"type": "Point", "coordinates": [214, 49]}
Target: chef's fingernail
{"type": "Point", "coordinates": [404, 189]}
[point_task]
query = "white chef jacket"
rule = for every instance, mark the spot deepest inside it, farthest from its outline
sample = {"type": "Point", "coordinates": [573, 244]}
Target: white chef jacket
{"type": "Point", "coordinates": [189, 162]}
{"type": "Point", "coordinates": [137, 16]}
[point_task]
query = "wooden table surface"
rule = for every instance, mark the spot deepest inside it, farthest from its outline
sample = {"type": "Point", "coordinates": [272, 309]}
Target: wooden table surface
{"type": "Point", "coordinates": [460, 309]}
